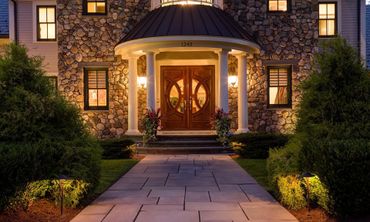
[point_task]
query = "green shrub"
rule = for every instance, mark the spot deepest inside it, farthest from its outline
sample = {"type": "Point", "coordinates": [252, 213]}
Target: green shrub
{"type": "Point", "coordinates": [283, 162]}
{"type": "Point", "coordinates": [291, 192]}
{"type": "Point", "coordinates": [117, 148]}
{"type": "Point", "coordinates": [343, 166]}
{"type": "Point", "coordinates": [257, 145]}
{"type": "Point", "coordinates": [318, 192]}
{"type": "Point", "coordinates": [73, 192]}
{"type": "Point", "coordinates": [42, 135]}
{"type": "Point", "coordinates": [334, 117]}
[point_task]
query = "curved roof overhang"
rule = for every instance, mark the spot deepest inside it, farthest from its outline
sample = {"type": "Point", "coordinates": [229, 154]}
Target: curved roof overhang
{"type": "Point", "coordinates": [184, 43]}
{"type": "Point", "coordinates": [187, 27]}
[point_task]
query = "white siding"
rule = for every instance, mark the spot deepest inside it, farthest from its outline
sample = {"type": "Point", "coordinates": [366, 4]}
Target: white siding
{"type": "Point", "coordinates": [48, 50]}
{"type": "Point", "coordinates": [350, 22]}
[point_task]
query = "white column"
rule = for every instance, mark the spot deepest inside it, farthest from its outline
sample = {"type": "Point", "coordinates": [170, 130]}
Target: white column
{"type": "Point", "coordinates": [223, 80]}
{"type": "Point", "coordinates": [132, 98]}
{"type": "Point", "coordinates": [242, 94]}
{"type": "Point", "coordinates": [150, 80]}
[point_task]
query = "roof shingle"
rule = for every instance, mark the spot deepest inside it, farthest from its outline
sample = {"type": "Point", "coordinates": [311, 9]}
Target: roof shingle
{"type": "Point", "coordinates": [180, 20]}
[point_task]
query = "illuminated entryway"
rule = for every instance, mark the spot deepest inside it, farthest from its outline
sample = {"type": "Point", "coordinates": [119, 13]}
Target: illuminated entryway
{"type": "Point", "coordinates": [167, 42]}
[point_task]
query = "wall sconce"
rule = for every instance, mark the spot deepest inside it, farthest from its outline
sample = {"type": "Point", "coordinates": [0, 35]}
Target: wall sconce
{"type": "Point", "coordinates": [141, 81]}
{"type": "Point", "coordinates": [233, 80]}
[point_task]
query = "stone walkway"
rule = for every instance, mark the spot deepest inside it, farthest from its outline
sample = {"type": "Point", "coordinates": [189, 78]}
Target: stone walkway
{"type": "Point", "coordinates": [182, 188]}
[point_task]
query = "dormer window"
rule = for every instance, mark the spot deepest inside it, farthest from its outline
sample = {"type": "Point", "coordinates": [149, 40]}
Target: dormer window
{"type": "Point", "coordinates": [186, 2]}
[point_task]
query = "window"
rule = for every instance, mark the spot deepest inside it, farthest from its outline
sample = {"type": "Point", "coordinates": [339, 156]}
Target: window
{"type": "Point", "coordinates": [278, 5]}
{"type": "Point", "coordinates": [96, 88]}
{"type": "Point", "coordinates": [46, 25]}
{"type": "Point", "coordinates": [327, 19]}
{"type": "Point", "coordinates": [186, 2]}
{"type": "Point", "coordinates": [279, 87]}
{"type": "Point", "coordinates": [95, 7]}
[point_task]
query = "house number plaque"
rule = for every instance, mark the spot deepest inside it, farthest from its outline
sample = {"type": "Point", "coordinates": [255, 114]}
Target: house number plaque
{"type": "Point", "coordinates": [186, 44]}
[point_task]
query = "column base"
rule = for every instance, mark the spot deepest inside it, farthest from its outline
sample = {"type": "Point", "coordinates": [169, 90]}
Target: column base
{"type": "Point", "coordinates": [132, 132]}
{"type": "Point", "coordinates": [242, 130]}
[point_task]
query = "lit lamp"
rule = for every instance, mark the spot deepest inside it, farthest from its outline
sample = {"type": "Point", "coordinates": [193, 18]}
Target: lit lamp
{"type": "Point", "coordinates": [233, 80]}
{"type": "Point", "coordinates": [62, 178]}
{"type": "Point", "coordinates": [141, 81]}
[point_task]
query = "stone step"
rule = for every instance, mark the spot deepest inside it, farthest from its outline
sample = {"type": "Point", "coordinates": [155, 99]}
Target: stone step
{"type": "Point", "coordinates": [186, 137]}
{"type": "Point", "coordinates": [182, 150]}
{"type": "Point", "coordinates": [184, 143]}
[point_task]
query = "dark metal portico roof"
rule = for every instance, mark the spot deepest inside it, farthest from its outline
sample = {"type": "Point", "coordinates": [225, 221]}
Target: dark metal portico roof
{"type": "Point", "coordinates": [189, 20]}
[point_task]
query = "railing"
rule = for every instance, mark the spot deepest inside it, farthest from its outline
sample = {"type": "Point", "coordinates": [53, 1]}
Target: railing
{"type": "Point", "coordinates": [188, 2]}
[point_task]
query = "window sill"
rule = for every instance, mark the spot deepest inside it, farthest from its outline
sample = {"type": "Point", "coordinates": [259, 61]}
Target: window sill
{"type": "Point", "coordinates": [280, 108]}
{"type": "Point", "coordinates": [96, 110]}
{"type": "Point", "coordinates": [93, 14]}
{"type": "Point", "coordinates": [36, 40]}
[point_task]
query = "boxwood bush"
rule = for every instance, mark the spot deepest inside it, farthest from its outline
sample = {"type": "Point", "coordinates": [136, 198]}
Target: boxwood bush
{"type": "Point", "coordinates": [257, 145]}
{"type": "Point", "coordinates": [117, 148]}
{"type": "Point", "coordinates": [42, 135]}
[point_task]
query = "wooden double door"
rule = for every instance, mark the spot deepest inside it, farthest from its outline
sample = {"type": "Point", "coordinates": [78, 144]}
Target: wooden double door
{"type": "Point", "coordinates": [187, 97]}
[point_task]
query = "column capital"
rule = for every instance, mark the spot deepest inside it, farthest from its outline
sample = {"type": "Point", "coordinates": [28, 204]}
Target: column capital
{"type": "Point", "coordinates": [241, 55]}
{"type": "Point", "coordinates": [223, 51]}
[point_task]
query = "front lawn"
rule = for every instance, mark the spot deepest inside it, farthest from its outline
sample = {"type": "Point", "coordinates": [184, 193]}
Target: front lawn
{"type": "Point", "coordinates": [257, 169]}
{"type": "Point", "coordinates": [46, 210]}
{"type": "Point", "coordinates": [111, 171]}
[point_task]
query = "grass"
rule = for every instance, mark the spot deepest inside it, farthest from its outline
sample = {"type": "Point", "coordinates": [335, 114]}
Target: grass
{"type": "Point", "coordinates": [257, 169]}
{"type": "Point", "coordinates": [111, 170]}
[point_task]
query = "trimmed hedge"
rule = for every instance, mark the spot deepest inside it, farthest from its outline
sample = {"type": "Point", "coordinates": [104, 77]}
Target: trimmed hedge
{"type": "Point", "coordinates": [257, 145]}
{"type": "Point", "coordinates": [117, 148]}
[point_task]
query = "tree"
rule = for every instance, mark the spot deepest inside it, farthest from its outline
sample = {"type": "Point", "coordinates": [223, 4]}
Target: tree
{"type": "Point", "coordinates": [334, 122]}
{"type": "Point", "coordinates": [41, 134]}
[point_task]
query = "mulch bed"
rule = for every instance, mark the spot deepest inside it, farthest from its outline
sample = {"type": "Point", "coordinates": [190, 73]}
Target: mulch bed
{"type": "Point", "coordinates": [39, 211]}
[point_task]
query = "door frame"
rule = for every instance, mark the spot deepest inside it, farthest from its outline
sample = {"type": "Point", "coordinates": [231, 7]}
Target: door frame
{"type": "Point", "coordinates": [212, 90]}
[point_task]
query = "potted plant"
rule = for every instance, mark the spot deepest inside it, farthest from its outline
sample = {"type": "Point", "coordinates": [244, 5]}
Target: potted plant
{"type": "Point", "coordinates": [221, 123]}
{"type": "Point", "coordinates": [151, 122]}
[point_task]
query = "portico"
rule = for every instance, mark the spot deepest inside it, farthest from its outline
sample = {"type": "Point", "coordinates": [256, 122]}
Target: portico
{"type": "Point", "coordinates": [187, 48]}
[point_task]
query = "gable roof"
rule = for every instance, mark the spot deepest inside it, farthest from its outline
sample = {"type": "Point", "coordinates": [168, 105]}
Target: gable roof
{"type": "Point", "coordinates": [192, 20]}
{"type": "Point", "coordinates": [4, 15]}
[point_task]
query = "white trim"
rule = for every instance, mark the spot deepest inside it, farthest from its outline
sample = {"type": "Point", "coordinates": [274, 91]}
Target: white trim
{"type": "Point", "coordinates": [186, 42]}
{"type": "Point", "coordinates": [11, 22]}
{"type": "Point", "coordinates": [34, 19]}
{"type": "Point", "coordinates": [363, 32]}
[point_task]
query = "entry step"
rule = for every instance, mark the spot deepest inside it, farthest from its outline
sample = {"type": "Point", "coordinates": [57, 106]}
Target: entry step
{"type": "Point", "coordinates": [182, 150]}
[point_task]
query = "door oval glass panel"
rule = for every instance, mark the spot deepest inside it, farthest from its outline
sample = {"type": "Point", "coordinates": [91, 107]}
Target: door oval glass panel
{"type": "Point", "coordinates": [176, 97]}
{"type": "Point", "coordinates": [199, 96]}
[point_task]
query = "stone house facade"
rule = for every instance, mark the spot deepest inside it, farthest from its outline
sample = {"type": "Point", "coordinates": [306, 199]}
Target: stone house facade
{"type": "Point", "coordinates": [116, 58]}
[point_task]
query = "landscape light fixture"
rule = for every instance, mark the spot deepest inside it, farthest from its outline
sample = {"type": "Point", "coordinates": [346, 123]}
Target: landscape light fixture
{"type": "Point", "coordinates": [306, 176]}
{"type": "Point", "coordinates": [62, 178]}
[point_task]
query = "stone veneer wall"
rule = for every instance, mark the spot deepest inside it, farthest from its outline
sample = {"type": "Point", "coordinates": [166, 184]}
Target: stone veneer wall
{"type": "Point", "coordinates": [285, 38]}
{"type": "Point", "coordinates": [85, 41]}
